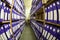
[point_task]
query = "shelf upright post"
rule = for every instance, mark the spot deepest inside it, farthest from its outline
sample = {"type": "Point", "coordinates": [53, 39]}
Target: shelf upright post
{"type": "Point", "coordinates": [44, 2]}
{"type": "Point", "coordinates": [11, 19]}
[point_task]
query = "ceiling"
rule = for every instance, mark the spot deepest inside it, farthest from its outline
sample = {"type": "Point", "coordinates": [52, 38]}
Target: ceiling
{"type": "Point", "coordinates": [27, 8]}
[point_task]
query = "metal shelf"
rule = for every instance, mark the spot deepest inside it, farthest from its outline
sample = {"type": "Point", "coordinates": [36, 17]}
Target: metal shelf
{"type": "Point", "coordinates": [50, 23]}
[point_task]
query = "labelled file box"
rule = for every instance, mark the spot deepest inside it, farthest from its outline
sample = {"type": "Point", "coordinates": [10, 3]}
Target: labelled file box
{"type": "Point", "coordinates": [22, 26]}
{"type": "Point", "coordinates": [51, 13]}
{"type": "Point", "coordinates": [33, 29]}
{"type": "Point", "coordinates": [37, 31]}
{"type": "Point", "coordinates": [55, 12]}
{"type": "Point", "coordinates": [40, 26]}
{"type": "Point", "coordinates": [6, 13]}
{"type": "Point", "coordinates": [46, 14]}
{"type": "Point", "coordinates": [18, 31]}
{"type": "Point", "coordinates": [36, 25]}
{"type": "Point", "coordinates": [19, 2]}
{"type": "Point", "coordinates": [18, 17]}
{"type": "Point", "coordinates": [3, 36]}
{"type": "Point", "coordinates": [2, 11]}
{"type": "Point", "coordinates": [12, 16]}
{"type": "Point", "coordinates": [16, 6]}
{"type": "Point", "coordinates": [39, 5]}
{"type": "Point", "coordinates": [22, 17]}
{"type": "Point", "coordinates": [14, 13]}
{"type": "Point", "coordinates": [18, 35]}
{"type": "Point", "coordinates": [54, 31]}
{"type": "Point", "coordinates": [2, 33]}
{"type": "Point", "coordinates": [15, 26]}
{"type": "Point", "coordinates": [8, 16]}
{"type": "Point", "coordinates": [58, 6]}
{"type": "Point", "coordinates": [7, 30]}
{"type": "Point", "coordinates": [19, 25]}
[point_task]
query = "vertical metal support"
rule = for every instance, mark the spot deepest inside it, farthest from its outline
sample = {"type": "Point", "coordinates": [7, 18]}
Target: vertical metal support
{"type": "Point", "coordinates": [44, 15]}
{"type": "Point", "coordinates": [43, 2]}
{"type": "Point", "coordinates": [11, 19]}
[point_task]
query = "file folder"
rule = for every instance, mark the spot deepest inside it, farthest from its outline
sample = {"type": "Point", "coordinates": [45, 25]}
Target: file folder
{"type": "Point", "coordinates": [55, 12]}
{"type": "Point", "coordinates": [6, 13]}
{"type": "Point", "coordinates": [45, 13]}
{"type": "Point", "coordinates": [51, 13]}
{"type": "Point", "coordinates": [58, 6]}
{"type": "Point", "coordinates": [2, 11]}
{"type": "Point", "coordinates": [3, 36]}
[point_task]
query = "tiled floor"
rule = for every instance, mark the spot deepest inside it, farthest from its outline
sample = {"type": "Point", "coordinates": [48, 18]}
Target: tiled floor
{"type": "Point", "coordinates": [27, 34]}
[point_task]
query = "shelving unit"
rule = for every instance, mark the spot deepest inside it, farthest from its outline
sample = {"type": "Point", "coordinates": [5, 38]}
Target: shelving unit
{"type": "Point", "coordinates": [40, 14]}
{"type": "Point", "coordinates": [10, 22]}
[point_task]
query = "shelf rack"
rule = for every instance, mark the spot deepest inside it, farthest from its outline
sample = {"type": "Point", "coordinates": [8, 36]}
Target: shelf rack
{"type": "Point", "coordinates": [41, 13]}
{"type": "Point", "coordinates": [39, 16]}
{"type": "Point", "coordinates": [9, 6]}
{"type": "Point", "coordinates": [10, 21]}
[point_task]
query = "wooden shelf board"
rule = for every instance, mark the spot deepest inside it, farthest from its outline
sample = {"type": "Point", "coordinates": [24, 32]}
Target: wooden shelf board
{"type": "Point", "coordinates": [39, 20]}
{"type": "Point", "coordinates": [5, 22]}
{"type": "Point", "coordinates": [54, 24]}
{"type": "Point", "coordinates": [50, 23]}
{"type": "Point", "coordinates": [49, 2]}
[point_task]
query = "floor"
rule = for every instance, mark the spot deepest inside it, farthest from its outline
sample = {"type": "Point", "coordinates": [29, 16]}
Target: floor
{"type": "Point", "coordinates": [27, 34]}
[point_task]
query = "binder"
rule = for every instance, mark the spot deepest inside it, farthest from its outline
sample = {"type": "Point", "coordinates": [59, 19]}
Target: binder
{"type": "Point", "coordinates": [45, 13]}
{"type": "Point", "coordinates": [6, 13]}
{"type": "Point", "coordinates": [8, 30]}
{"type": "Point", "coordinates": [2, 11]}
{"type": "Point", "coordinates": [18, 35]}
{"type": "Point", "coordinates": [2, 33]}
{"type": "Point", "coordinates": [51, 13]}
{"type": "Point", "coordinates": [3, 36]}
{"type": "Point", "coordinates": [54, 38]}
{"type": "Point", "coordinates": [19, 3]}
{"type": "Point", "coordinates": [50, 38]}
{"type": "Point", "coordinates": [18, 17]}
{"type": "Point", "coordinates": [1, 30]}
{"type": "Point", "coordinates": [55, 12]}
{"type": "Point", "coordinates": [8, 16]}
{"type": "Point", "coordinates": [58, 6]}
{"type": "Point", "coordinates": [48, 35]}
